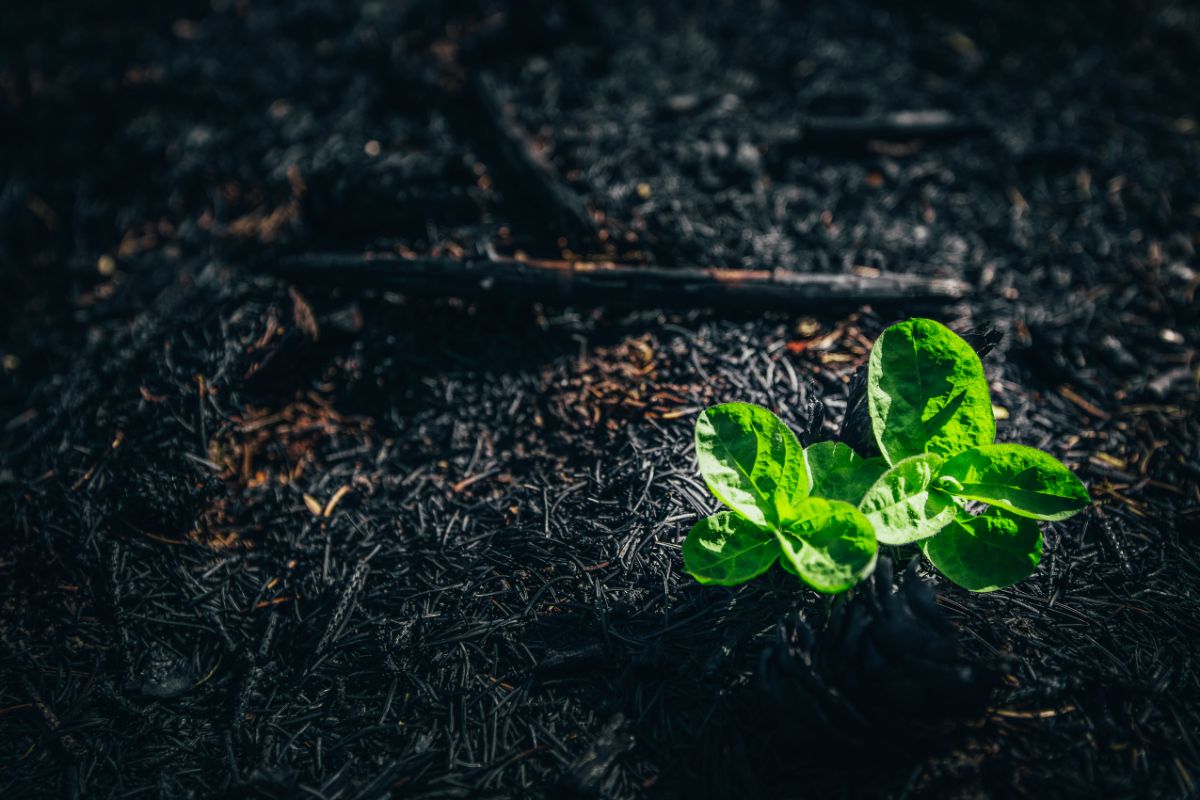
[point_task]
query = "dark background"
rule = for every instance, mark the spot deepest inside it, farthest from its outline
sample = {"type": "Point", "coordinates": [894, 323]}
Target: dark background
{"type": "Point", "coordinates": [265, 534]}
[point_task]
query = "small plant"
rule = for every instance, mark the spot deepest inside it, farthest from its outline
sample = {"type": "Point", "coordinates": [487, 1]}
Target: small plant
{"type": "Point", "coordinates": [821, 511]}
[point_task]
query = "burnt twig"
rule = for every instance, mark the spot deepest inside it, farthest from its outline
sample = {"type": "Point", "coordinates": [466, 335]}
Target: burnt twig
{"type": "Point", "coordinates": [606, 282]}
{"type": "Point", "coordinates": [528, 178]}
{"type": "Point", "coordinates": [897, 126]}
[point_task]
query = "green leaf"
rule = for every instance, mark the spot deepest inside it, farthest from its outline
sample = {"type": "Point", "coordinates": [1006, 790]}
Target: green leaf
{"type": "Point", "coordinates": [1021, 479]}
{"type": "Point", "coordinates": [836, 472]}
{"type": "Point", "coordinates": [904, 506]}
{"type": "Point", "coordinates": [829, 544]}
{"type": "Point", "coordinates": [751, 461]}
{"type": "Point", "coordinates": [987, 552]}
{"type": "Point", "coordinates": [926, 392]}
{"type": "Point", "coordinates": [726, 550]}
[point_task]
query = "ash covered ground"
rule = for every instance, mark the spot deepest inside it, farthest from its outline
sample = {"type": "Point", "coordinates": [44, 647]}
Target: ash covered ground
{"type": "Point", "coordinates": [266, 538]}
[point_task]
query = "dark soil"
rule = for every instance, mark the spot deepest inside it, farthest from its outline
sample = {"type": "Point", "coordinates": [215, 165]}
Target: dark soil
{"type": "Point", "coordinates": [281, 540]}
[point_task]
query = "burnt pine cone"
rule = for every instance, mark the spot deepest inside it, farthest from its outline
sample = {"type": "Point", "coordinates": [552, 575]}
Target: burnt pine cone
{"type": "Point", "coordinates": [886, 666]}
{"type": "Point", "coordinates": [152, 492]}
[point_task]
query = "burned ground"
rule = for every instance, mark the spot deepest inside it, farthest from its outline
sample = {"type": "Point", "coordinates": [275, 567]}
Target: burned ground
{"type": "Point", "coordinates": [271, 538]}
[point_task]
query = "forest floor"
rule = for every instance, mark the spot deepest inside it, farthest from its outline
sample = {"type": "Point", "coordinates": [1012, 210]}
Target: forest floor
{"type": "Point", "coordinates": [272, 536]}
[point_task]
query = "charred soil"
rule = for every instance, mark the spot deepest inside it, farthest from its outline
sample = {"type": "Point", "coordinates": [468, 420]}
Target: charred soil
{"type": "Point", "coordinates": [272, 536]}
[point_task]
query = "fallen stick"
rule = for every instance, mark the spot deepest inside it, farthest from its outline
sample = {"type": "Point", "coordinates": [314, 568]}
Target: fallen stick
{"type": "Point", "coordinates": [528, 177]}
{"type": "Point", "coordinates": [929, 124]}
{"type": "Point", "coordinates": [592, 283]}
{"type": "Point", "coordinates": [852, 132]}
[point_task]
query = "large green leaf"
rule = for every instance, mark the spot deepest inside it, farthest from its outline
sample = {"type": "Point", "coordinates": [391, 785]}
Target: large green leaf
{"type": "Point", "coordinates": [836, 472]}
{"type": "Point", "coordinates": [1021, 479]}
{"type": "Point", "coordinates": [829, 544]}
{"type": "Point", "coordinates": [926, 392]}
{"type": "Point", "coordinates": [726, 550]}
{"type": "Point", "coordinates": [904, 506]}
{"type": "Point", "coordinates": [988, 552]}
{"type": "Point", "coordinates": [751, 461]}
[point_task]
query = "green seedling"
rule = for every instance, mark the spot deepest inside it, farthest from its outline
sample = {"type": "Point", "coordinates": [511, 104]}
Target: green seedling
{"type": "Point", "coordinates": [820, 512]}
{"type": "Point", "coordinates": [754, 464]}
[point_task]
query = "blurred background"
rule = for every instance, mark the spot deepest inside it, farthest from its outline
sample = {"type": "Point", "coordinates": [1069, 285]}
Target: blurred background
{"type": "Point", "coordinates": [138, 133]}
